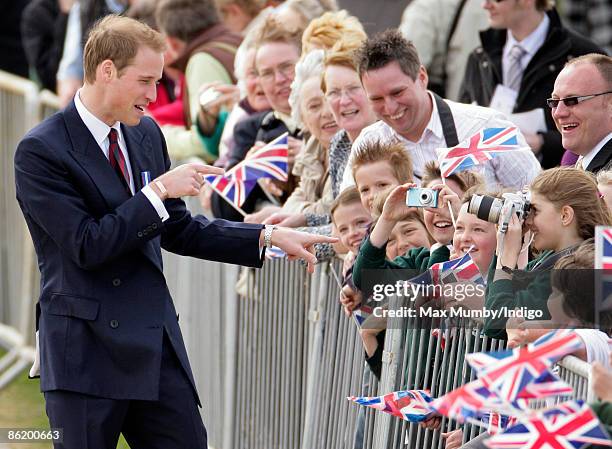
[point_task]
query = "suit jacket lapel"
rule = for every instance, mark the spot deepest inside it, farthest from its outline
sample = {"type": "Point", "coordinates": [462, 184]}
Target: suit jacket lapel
{"type": "Point", "coordinates": [602, 158]}
{"type": "Point", "coordinates": [91, 158]}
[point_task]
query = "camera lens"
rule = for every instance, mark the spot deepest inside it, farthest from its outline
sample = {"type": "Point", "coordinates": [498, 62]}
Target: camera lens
{"type": "Point", "coordinates": [426, 197]}
{"type": "Point", "coordinates": [485, 207]}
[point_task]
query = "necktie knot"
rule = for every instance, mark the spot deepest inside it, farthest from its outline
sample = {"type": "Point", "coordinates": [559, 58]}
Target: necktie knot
{"type": "Point", "coordinates": [517, 52]}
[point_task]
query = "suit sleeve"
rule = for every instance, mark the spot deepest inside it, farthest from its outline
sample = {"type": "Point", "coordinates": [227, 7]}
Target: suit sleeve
{"type": "Point", "coordinates": [50, 198]}
{"type": "Point", "coordinates": [44, 181]}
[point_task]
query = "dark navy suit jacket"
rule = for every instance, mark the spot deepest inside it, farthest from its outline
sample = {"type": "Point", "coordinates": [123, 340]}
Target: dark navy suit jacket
{"type": "Point", "coordinates": [104, 300]}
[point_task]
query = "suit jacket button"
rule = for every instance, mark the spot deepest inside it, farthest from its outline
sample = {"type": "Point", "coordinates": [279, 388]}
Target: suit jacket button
{"type": "Point", "coordinates": [154, 225]}
{"type": "Point", "coordinates": [139, 234]}
{"type": "Point", "coordinates": [114, 324]}
{"type": "Point", "coordinates": [116, 282]}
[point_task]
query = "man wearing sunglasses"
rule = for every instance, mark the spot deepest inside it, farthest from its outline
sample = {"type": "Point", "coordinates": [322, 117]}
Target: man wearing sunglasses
{"type": "Point", "coordinates": [514, 70]}
{"type": "Point", "coordinates": [581, 106]}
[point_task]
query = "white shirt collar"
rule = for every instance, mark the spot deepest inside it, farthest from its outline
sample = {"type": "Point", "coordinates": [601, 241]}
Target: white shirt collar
{"type": "Point", "coordinates": [532, 43]}
{"type": "Point", "coordinates": [98, 129]}
{"type": "Point", "coordinates": [434, 126]}
{"type": "Point", "coordinates": [586, 160]}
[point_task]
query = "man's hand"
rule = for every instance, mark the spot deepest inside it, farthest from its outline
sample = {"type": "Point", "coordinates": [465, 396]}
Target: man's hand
{"type": "Point", "coordinates": [298, 245]}
{"type": "Point", "coordinates": [184, 180]}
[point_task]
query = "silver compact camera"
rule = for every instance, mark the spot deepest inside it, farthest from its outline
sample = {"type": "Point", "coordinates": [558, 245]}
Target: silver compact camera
{"type": "Point", "coordinates": [417, 197]}
{"type": "Point", "coordinates": [499, 211]}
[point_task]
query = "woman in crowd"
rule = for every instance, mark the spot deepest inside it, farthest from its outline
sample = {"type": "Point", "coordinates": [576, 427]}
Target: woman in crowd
{"type": "Point", "coordinates": [565, 209]}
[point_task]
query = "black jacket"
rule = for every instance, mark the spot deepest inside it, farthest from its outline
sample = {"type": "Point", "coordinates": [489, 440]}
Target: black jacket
{"type": "Point", "coordinates": [484, 72]}
{"type": "Point", "coordinates": [263, 127]}
{"type": "Point", "coordinates": [603, 160]}
{"type": "Point", "coordinates": [43, 29]}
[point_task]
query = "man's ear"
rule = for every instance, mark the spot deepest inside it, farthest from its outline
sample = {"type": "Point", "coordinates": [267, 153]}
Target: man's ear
{"type": "Point", "coordinates": [106, 70]}
{"type": "Point", "coordinates": [175, 44]}
{"type": "Point", "coordinates": [422, 76]}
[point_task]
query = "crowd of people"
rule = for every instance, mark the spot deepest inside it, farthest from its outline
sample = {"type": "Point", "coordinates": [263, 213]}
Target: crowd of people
{"type": "Point", "coordinates": [365, 113]}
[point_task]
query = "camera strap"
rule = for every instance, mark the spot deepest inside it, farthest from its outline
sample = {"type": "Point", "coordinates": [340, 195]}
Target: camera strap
{"type": "Point", "coordinates": [448, 123]}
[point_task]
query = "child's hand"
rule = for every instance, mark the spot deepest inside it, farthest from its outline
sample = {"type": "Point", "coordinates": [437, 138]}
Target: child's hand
{"type": "Point", "coordinates": [350, 299]}
{"type": "Point", "coordinates": [395, 204]}
{"type": "Point", "coordinates": [517, 332]}
{"type": "Point", "coordinates": [512, 243]}
{"type": "Point", "coordinates": [446, 197]}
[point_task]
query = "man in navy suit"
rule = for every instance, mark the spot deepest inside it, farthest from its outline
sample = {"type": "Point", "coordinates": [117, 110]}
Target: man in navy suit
{"type": "Point", "coordinates": [112, 358]}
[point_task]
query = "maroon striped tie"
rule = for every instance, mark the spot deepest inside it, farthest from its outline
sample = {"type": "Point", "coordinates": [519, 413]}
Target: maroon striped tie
{"type": "Point", "coordinates": [117, 161]}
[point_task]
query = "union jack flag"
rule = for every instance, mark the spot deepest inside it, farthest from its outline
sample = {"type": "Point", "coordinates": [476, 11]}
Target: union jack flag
{"type": "Point", "coordinates": [478, 149]}
{"type": "Point", "coordinates": [462, 269]}
{"type": "Point", "coordinates": [508, 372]}
{"type": "Point", "coordinates": [472, 400]}
{"type": "Point", "coordinates": [361, 314]}
{"type": "Point", "coordinates": [548, 384]}
{"type": "Point", "coordinates": [233, 190]}
{"type": "Point", "coordinates": [409, 405]}
{"type": "Point", "coordinates": [567, 431]}
{"type": "Point", "coordinates": [603, 261]}
{"type": "Point", "coordinates": [270, 161]}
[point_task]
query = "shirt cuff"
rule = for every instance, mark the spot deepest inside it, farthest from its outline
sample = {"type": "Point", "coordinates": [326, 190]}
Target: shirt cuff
{"type": "Point", "coordinates": [156, 202]}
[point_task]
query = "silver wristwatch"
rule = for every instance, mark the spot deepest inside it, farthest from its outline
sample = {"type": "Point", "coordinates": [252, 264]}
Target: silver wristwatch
{"type": "Point", "coordinates": [268, 235]}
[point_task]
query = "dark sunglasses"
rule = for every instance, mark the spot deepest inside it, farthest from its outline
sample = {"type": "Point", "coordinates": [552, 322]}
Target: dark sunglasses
{"type": "Point", "coordinates": [572, 101]}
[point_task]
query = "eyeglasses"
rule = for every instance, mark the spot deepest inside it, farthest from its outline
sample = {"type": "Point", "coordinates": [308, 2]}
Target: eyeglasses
{"type": "Point", "coordinates": [285, 69]}
{"type": "Point", "coordinates": [572, 101]}
{"type": "Point", "coordinates": [350, 91]}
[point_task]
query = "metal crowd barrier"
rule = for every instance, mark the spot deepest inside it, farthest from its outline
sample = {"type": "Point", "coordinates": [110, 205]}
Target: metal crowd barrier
{"type": "Point", "coordinates": [273, 365]}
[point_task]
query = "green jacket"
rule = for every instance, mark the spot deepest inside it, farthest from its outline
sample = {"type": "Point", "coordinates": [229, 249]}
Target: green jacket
{"type": "Point", "coordinates": [603, 410]}
{"type": "Point", "coordinates": [420, 259]}
{"type": "Point", "coordinates": [511, 294]}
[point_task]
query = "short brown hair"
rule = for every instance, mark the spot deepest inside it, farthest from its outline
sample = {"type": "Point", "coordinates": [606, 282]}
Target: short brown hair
{"type": "Point", "coordinates": [565, 186]}
{"type": "Point", "coordinates": [186, 19]}
{"type": "Point", "coordinates": [346, 197]}
{"type": "Point", "coordinates": [544, 5]}
{"type": "Point", "coordinates": [272, 30]}
{"type": "Point", "coordinates": [385, 48]}
{"type": "Point", "coordinates": [118, 39]}
{"type": "Point", "coordinates": [465, 179]}
{"type": "Point", "coordinates": [341, 54]}
{"type": "Point", "coordinates": [325, 31]}
{"type": "Point", "coordinates": [602, 63]}
{"type": "Point", "coordinates": [395, 153]}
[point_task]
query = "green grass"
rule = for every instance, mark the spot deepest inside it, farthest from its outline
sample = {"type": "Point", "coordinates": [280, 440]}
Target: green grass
{"type": "Point", "coordinates": [22, 405]}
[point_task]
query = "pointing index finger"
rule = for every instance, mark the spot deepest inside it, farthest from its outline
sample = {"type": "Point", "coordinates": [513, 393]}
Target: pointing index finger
{"type": "Point", "coordinates": [208, 169]}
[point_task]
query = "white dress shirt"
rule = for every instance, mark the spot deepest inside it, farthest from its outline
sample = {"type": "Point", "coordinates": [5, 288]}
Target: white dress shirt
{"type": "Point", "coordinates": [511, 170]}
{"type": "Point", "coordinates": [531, 44]}
{"type": "Point", "coordinates": [99, 130]}
{"type": "Point", "coordinates": [588, 158]}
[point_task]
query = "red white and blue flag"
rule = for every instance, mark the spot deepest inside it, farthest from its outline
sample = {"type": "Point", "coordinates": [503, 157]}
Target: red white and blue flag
{"type": "Point", "coordinates": [463, 269]}
{"type": "Point", "coordinates": [270, 161]}
{"type": "Point", "coordinates": [233, 190]}
{"type": "Point", "coordinates": [566, 431]}
{"type": "Point", "coordinates": [603, 262]}
{"type": "Point", "coordinates": [361, 314]}
{"type": "Point", "coordinates": [508, 372]}
{"type": "Point", "coordinates": [472, 400]}
{"type": "Point", "coordinates": [478, 149]}
{"type": "Point", "coordinates": [409, 405]}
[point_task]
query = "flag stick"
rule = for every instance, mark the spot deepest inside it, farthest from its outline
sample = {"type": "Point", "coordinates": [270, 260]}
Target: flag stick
{"type": "Point", "coordinates": [243, 213]}
{"type": "Point", "coordinates": [452, 214]}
